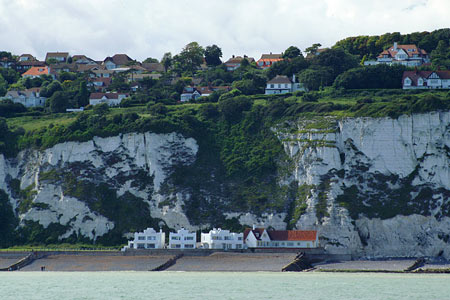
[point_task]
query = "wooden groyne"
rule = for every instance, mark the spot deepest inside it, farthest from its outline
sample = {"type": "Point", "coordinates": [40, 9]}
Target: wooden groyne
{"type": "Point", "coordinates": [300, 263]}
{"type": "Point", "coordinates": [168, 263]}
{"type": "Point", "coordinates": [21, 263]}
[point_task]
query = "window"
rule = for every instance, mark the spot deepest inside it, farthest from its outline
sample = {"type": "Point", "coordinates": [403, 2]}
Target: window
{"type": "Point", "coordinates": [140, 246]}
{"type": "Point", "coordinates": [150, 246]}
{"type": "Point", "coordinates": [141, 238]}
{"type": "Point", "coordinates": [272, 86]}
{"type": "Point", "coordinates": [188, 238]}
{"type": "Point", "coordinates": [239, 238]}
{"type": "Point", "coordinates": [175, 238]}
{"type": "Point", "coordinates": [227, 238]}
{"type": "Point", "coordinates": [290, 244]}
{"type": "Point", "coordinates": [189, 246]}
{"type": "Point", "coordinates": [238, 246]}
{"type": "Point", "coordinates": [151, 238]}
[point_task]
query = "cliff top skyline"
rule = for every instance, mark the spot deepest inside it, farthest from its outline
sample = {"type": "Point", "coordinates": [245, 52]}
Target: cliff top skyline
{"type": "Point", "coordinates": [150, 28]}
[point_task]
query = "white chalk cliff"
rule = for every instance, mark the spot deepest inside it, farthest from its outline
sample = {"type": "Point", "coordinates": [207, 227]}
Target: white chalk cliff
{"type": "Point", "coordinates": [378, 187]}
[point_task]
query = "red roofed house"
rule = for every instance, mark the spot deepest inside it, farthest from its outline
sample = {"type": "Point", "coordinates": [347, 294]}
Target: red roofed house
{"type": "Point", "coordinates": [426, 80]}
{"type": "Point", "coordinates": [112, 99]}
{"type": "Point", "coordinates": [235, 62]}
{"type": "Point", "coordinates": [99, 83]}
{"type": "Point", "coordinates": [34, 72]}
{"type": "Point", "coordinates": [407, 55]}
{"type": "Point", "coordinates": [57, 56]}
{"type": "Point", "coordinates": [267, 60]}
{"type": "Point", "coordinates": [262, 238]}
{"type": "Point", "coordinates": [116, 61]}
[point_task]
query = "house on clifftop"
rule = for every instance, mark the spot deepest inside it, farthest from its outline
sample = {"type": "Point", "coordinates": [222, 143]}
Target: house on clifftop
{"type": "Point", "coordinates": [426, 80]}
{"type": "Point", "coordinates": [282, 84]}
{"type": "Point", "coordinates": [407, 55]}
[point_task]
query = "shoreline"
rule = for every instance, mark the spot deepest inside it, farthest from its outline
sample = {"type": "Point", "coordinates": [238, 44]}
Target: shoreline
{"type": "Point", "coordinates": [216, 261]}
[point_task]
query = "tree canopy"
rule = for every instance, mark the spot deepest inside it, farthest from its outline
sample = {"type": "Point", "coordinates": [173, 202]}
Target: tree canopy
{"type": "Point", "coordinates": [212, 55]}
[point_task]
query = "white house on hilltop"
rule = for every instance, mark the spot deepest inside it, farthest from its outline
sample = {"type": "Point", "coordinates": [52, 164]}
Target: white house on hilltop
{"type": "Point", "coordinates": [282, 84]}
{"type": "Point", "coordinates": [112, 99]}
{"type": "Point", "coordinates": [407, 55]}
{"type": "Point", "coordinates": [222, 239]}
{"type": "Point", "coordinates": [149, 239]}
{"type": "Point", "coordinates": [182, 239]}
{"type": "Point", "coordinates": [28, 98]}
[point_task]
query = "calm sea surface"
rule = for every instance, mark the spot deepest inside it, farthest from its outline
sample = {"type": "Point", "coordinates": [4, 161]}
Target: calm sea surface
{"type": "Point", "coordinates": [193, 285]}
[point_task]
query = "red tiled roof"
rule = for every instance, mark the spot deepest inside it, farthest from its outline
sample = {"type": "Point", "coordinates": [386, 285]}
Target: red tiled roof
{"type": "Point", "coordinates": [292, 235]}
{"type": "Point", "coordinates": [153, 67]}
{"type": "Point", "coordinates": [415, 75]}
{"type": "Point", "coordinates": [56, 54]}
{"type": "Point", "coordinates": [271, 57]}
{"type": "Point", "coordinates": [283, 235]}
{"type": "Point", "coordinates": [415, 50]}
{"type": "Point", "coordinates": [37, 71]}
{"type": "Point", "coordinates": [105, 80]}
{"type": "Point", "coordinates": [31, 63]}
{"type": "Point", "coordinates": [119, 59]}
{"type": "Point", "coordinates": [238, 60]}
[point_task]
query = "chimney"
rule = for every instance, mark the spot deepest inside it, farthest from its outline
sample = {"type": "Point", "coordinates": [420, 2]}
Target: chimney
{"type": "Point", "coordinates": [395, 46]}
{"type": "Point", "coordinates": [254, 227]}
{"type": "Point", "coordinates": [270, 53]}
{"type": "Point", "coordinates": [293, 78]}
{"type": "Point", "coordinates": [232, 56]}
{"type": "Point", "coordinates": [160, 230]}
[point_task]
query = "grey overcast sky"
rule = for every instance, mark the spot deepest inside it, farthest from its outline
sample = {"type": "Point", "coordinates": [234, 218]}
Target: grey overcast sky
{"type": "Point", "coordinates": [149, 28]}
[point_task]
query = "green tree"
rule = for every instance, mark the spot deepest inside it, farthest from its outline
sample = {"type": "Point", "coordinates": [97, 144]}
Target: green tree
{"type": "Point", "coordinates": [83, 95]}
{"type": "Point", "coordinates": [313, 79]}
{"type": "Point", "coordinates": [150, 60]}
{"type": "Point", "coordinates": [167, 61]}
{"type": "Point", "coordinates": [292, 52]}
{"type": "Point", "coordinates": [8, 221]}
{"type": "Point", "coordinates": [57, 103]}
{"type": "Point", "coordinates": [313, 49]}
{"type": "Point", "coordinates": [51, 88]}
{"type": "Point", "coordinates": [212, 55]}
{"type": "Point", "coordinates": [101, 109]}
{"type": "Point", "coordinates": [441, 55]}
{"type": "Point", "coordinates": [190, 58]}
{"type": "Point", "coordinates": [3, 86]}
{"type": "Point", "coordinates": [337, 59]}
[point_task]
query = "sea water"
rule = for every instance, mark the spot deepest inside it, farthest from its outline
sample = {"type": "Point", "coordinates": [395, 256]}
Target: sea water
{"type": "Point", "coordinates": [220, 285]}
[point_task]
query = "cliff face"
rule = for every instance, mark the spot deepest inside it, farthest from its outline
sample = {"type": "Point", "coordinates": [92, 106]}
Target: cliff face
{"type": "Point", "coordinates": [380, 187]}
{"type": "Point", "coordinates": [374, 187]}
